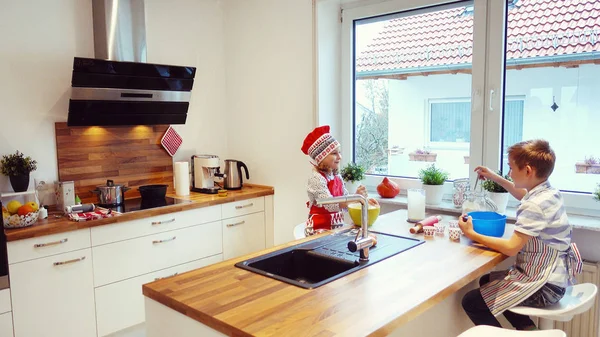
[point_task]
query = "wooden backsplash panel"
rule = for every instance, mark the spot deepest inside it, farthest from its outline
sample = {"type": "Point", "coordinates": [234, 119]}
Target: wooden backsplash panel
{"type": "Point", "coordinates": [129, 155]}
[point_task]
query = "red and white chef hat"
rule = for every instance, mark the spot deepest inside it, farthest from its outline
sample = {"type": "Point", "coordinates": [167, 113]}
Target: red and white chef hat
{"type": "Point", "coordinates": [318, 144]}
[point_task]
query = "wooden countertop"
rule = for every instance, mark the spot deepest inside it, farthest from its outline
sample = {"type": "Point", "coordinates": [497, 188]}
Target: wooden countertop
{"type": "Point", "coordinates": [373, 301]}
{"type": "Point", "coordinates": [54, 225]}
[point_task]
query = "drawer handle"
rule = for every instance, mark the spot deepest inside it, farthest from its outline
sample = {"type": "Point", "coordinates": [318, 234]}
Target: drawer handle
{"type": "Point", "coordinates": [244, 206]}
{"type": "Point", "coordinates": [165, 240]}
{"type": "Point", "coordinates": [162, 222]}
{"type": "Point", "coordinates": [39, 245]}
{"type": "Point", "coordinates": [236, 224]}
{"type": "Point", "coordinates": [69, 261]}
{"type": "Point", "coordinates": [160, 278]}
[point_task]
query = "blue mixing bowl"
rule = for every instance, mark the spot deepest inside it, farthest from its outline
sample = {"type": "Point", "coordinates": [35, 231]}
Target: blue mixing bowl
{"type": "Point", "coordinates": [488, 223]}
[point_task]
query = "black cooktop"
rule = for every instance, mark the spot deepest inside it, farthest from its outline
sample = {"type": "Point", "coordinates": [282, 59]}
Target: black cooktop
{"type": "Point", "coordinates": [136, 204]}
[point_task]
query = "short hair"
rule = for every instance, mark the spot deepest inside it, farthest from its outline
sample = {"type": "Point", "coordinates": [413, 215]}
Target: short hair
{"type": "Point", "coordinates": [536, 153]}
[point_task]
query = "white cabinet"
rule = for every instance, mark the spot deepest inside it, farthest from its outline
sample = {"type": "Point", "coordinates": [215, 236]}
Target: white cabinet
{"type": "Point", "coordinates": [6, 327]}
{"type": "Point", "coordinates": [124, 259]}
{"type": "Point", "coordinates": [121, 305]}
{"type": "Point", "coordinates": [54, 296]}
{"type": "Point", "coordinates": [243, 235]}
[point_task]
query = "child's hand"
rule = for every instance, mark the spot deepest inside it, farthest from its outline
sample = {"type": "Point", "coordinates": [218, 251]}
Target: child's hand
{"type": "Point", "coordinates": [373, 202]}
{"type": "Point", "coordinates": [362, 190]}
{"type": "Point", "coordinates": [486, 173]}
{"type": "Point", "coordinates": [465, 223]}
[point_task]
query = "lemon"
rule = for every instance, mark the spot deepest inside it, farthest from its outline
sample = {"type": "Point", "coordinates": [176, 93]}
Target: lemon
{"type": "Point", "coordinates": [13, 206]}
{"type": "Point", "coordinates": [33, 205]}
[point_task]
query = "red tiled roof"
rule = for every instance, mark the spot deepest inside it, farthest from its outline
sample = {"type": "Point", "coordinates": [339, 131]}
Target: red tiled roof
{"type": "Point", "coordinates": [536, 28]}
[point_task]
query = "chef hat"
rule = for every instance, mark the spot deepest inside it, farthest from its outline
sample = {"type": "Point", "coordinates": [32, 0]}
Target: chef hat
{"type": "Point", "coordinates": [319, 144]}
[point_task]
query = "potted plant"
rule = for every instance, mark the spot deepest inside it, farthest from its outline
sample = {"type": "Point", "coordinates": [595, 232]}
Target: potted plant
{"type": "Point", "coordinates": [422, 155]}
{"type": "Point", "coordinates": [589, 165]}
{"type": "Point", "coordinates": [497, 193]}
{"type": "Point", "coordinates": [353, 174]}
{"type": "Point", "coordinates": [433, 180]}
{"type": "Point", "coordinates": [17, 167]}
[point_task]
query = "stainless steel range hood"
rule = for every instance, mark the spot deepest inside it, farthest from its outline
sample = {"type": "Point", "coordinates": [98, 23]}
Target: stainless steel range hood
{"type": "Point", "coordinates": [117, 87]}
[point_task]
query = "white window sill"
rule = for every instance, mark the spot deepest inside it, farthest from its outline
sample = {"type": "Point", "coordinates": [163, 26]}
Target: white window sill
{"type": "Point", "coordinates": [578, 221]}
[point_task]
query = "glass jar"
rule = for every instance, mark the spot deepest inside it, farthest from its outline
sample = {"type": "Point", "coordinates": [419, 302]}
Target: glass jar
{"type": "Point", "coordinates": [461, 186]}
{"type": "Point", "coordinates": [478, 201]}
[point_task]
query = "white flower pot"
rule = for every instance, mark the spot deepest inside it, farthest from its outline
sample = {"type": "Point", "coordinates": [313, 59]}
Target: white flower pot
{"type": "Point", "coordinates": [500, 199]}
{"type": "Point", "coordinates": [351, 187]}
{"type": "Point", "coordinates": [433, 194]}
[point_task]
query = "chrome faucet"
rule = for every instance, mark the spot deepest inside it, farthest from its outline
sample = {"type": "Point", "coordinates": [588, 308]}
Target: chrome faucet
{"type": "Point", "coordinates": [362, 241]}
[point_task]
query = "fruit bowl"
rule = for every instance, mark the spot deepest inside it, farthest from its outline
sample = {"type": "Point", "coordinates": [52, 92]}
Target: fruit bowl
{"type": "Point", "coordinates": [19, 221]}
{"type": "Point", "coordinates": [355, 212]}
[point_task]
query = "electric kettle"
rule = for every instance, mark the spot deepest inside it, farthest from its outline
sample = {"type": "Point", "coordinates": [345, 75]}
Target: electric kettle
{"type": "Point", "coordinates": [233, 174]}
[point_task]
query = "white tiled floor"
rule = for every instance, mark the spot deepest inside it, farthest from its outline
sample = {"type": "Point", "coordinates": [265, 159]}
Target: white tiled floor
{"type": "Point", "coordinates": [134, 331]}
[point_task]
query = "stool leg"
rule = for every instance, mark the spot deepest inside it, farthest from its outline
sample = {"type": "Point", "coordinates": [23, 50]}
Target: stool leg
{"type": "Point", "coordinates": [546, 324]}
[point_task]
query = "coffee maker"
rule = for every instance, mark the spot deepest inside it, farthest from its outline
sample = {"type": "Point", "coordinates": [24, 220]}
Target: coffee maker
{"type": "Point", "coordinates": [205, 168]}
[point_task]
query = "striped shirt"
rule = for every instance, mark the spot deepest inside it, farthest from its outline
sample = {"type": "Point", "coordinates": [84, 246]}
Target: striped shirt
{"type": "Point", "coordinates": [542, 215]}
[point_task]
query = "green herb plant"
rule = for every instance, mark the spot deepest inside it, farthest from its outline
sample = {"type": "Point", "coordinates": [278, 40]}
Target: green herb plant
{"type": "Point", "coordinates": [353, 172]}
{"type": "Point", "coordinates": [597, 193]}
{"type": "Point", "coordinates": [433, 175]}
{"type": "Point", "coordinates": [492, 186]}
{"type": "Point", "coordinates": [17, 164]}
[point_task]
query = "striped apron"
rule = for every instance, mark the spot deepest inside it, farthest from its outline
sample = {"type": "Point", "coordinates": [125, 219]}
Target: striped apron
{"type": "Point", "coordinates": [534, 265]}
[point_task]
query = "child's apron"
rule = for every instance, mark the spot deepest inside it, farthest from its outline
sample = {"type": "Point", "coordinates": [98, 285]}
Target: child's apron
{"type": "Point", "coordinates": [319, 218]}
{"type": "Point", "coordinates": [534, 264]}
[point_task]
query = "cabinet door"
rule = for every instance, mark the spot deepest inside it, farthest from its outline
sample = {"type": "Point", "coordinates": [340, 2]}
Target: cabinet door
{"type": "Point", "coordinates": [243, 235]}
{"type": "Point", "coordinates": [6, 328]}
{"type": "Point", "coordinates": [54, 296]}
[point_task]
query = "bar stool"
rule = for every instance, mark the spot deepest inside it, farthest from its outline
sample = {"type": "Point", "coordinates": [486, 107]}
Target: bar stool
{"type": "Point", "coordinates": [299, 231]}
{"type": "Point", "coordinates": [492, 331]}
{"type": "Point", "coordinates": [578, 299]}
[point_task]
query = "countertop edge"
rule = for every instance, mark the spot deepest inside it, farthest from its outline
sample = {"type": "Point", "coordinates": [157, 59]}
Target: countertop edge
{"type": "Point", "coordinates": [43, 229]}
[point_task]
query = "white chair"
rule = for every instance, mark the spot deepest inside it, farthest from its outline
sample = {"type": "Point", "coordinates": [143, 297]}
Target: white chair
{"type": "Point", "coordinates": [578, 299]}
{"type": "Point", "coordinates": [299, 231]}
{"type": "Point", "coordinates": [492, 331]}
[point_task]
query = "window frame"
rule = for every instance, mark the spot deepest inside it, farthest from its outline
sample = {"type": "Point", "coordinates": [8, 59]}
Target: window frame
{"type": "Point", "coordinates": [487, 91]}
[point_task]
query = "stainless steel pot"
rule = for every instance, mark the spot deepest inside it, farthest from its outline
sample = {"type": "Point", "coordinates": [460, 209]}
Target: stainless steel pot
{"type": "Point", "coordinates": [110, 194]}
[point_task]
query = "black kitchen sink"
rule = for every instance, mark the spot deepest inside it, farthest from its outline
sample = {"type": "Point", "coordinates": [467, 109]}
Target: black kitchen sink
{"type": "Point", "coordinates": [320, 261]}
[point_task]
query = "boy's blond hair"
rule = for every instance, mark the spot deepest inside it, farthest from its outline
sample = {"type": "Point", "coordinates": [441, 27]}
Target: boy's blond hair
{"type": "Point", "coordinates": [536, 153]}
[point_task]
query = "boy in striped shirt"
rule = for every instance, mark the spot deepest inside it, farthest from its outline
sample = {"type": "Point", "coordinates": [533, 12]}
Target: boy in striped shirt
{"type": "Point", "coordinates": [546, 260]}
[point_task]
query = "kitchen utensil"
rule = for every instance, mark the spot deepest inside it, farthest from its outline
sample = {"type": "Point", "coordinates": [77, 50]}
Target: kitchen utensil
{"type": "Point", "coordinates": [205, 167]}
{"type": "Point", "coordinates": [454, 233]}
{"type": "Point", "coordinates": [153, 191]}
{"type": "Point", "coordinates": [429, 221]}
{"type": "Point", "coordinates": [233, 174]}
{"type": "Point", "coordinates": [429, 230]}
{"type": "Point", "coordinates": [355, 212]}
{"type": "Point", "coordinates": [488, 223]}
{"type": "Point", "coordinates": [79, 208]}
{"type": "Point", "coordinates": [440, 229]}
{"type": "Point", "coordinates": [110, 194]}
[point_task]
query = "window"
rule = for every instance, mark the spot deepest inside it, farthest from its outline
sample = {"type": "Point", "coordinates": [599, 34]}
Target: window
{"type": "Point", "coordinates": [468, 80]}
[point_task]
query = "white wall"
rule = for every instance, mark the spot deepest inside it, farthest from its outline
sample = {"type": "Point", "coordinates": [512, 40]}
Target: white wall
{"type": "Point", "coordinates": [329, 39]}
{"type": "Point", "coordinates": [39, 40]}
{"type": "Point", "coordinates": [269, 80]}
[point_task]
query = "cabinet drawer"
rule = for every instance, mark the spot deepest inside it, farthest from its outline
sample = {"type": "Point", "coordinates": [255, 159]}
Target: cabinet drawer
{"type": "Point", "coordinates": [54, 296]}
{"type": "Point", "coordinates": [243, 207]}
{"type": "Point", "coordinates": [120, 260]}
{"type": "Point", "coordinates": [5, 301]}
{"type": "Point", "coordinates": [157, 224]}
{"type": "Point", "coordinates": [29, 249]}
{"type": "Point", "coordinates": [243, 235]}
{"type": "Point", "coordinates": [121, 305]}
{"type": "Point", "coordinates": [6, 327]}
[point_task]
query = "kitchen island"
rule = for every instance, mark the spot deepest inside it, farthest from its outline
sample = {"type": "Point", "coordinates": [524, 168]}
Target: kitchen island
{"type": "Point", "coordinates": [223, 300]}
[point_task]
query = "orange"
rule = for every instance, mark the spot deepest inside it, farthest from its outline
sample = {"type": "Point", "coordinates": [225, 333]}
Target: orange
{"type": "Point", "coordinates": [25, 209]}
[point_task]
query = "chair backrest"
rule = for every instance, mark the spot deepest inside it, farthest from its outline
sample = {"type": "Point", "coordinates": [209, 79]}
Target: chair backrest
{"type": "Point", "coordinates": [299, 231]}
